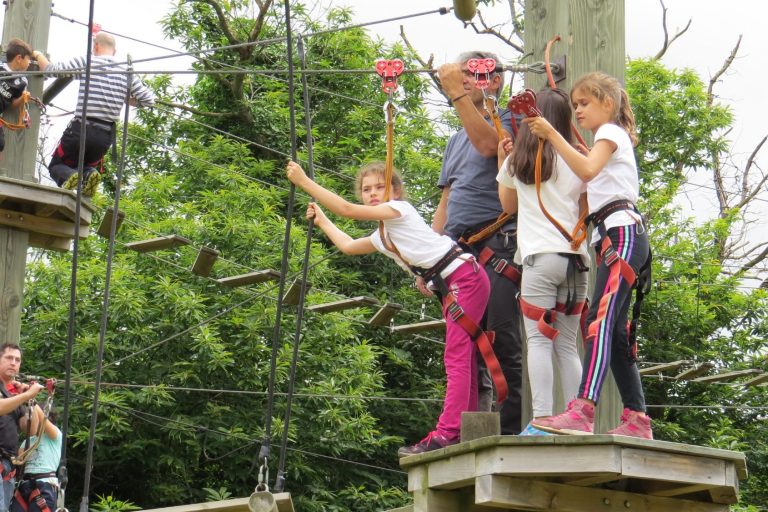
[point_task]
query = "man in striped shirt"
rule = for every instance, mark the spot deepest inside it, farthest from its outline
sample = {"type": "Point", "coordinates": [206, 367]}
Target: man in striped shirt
{"type": "Point", "coordinates": [105, 101]}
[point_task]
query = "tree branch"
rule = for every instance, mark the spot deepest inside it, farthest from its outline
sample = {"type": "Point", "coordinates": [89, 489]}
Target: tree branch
{"type": "Point", "coordinates": [263, 9]}
{"type": "Point", "coordinates": [746, 194]}
{"type": "Point", "coordinates": [425, 64]}
{"type": "Point", "coordinates": [223, 24]}
{"type": "Point", "coordinates": [492, 31]}
{"type": "Point", "coordinates": [721, 71]}
{"type": "Point", "coordinates": [667, 41]}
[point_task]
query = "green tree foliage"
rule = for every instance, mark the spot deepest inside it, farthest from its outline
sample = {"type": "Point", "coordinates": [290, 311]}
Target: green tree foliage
{"type": "Point", "coordinates": [192, 357]}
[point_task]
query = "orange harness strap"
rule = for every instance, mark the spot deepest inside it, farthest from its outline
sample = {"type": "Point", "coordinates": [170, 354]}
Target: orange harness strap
{"type": "Point", "coordinates": [484, 341]}
{"type": "Point", "coordinates": [619, 268]}
{"type": "Point", "coordinates": [545, 318]}
{"type": "Point", "coordinates": [579, 233]}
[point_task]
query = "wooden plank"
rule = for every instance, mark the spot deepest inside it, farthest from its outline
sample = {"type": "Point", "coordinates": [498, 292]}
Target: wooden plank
{"type": "Point", "coordinates": [291, 297]}
{"type": "Point", "coordinates": [429, 500]}
{"type": "Point", "coordinates": [385, 314]}
{"type": "Point", "coordinates": [341, 305]}
{"type": "Point", "coordinates": [673, 467]}
{"type": "Point", "coordinates": [694, 372]}
{"type": "Point", "coordinates": [452, 473]}
{"type": "Point", "coordinates": [43, 225]}
{"type": "Point", "coordinates": [43, 200]}
{"type": "Point", "coordinates": [106, 222]}
{"type": "Point", "coordinates": [284, 502]}
{"type": "Point", "coordinates": [665, 367]}
{"type": "Point", "coordinates": [728, 376]}
{"type": "Point", "coordinates": [560, 461]}
{"type": "Point", "coordinates": [203, 264]}
{"type": "Point", "coordinates": [50, 242]}
{"type": "Point", "coordinates": [259, 276]}
{"type": "Point", "coordinates": [233, 505]}
{"type": "Point", "coordinates": [521, 494]}
{"type": "Point", "coordinates": [431, 325]}
{"type": "Point", "coordinates": [13, 258]}
{"type": "Point", "coordinates": [760, 379]}
{"type": "Point", "coordinates": [156, 244]}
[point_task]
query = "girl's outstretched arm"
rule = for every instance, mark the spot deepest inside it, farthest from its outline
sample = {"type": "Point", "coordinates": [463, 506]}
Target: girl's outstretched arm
{"type": "Point", "coordinates": [340, 239]}
{"type": "Point", "coordinates": [334, 202]}
{"type": "Point", "coordinates": [585, 167]}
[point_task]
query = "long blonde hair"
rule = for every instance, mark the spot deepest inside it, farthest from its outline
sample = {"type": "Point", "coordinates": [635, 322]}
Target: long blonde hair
{"type": "Point", "coordinates": [605, 87]}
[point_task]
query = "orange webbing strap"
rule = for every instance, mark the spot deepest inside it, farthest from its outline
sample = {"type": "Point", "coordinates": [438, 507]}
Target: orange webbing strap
{"type": "Point", "coordinates": [492, 109]}
{"type": "Point", "coordinates": [545, 318]}
{"type": "Point", "coordinates": [580, 231]}
{"type": "Point", "coordinates": [35, 495]}
{"type": "Point", "coordinates": [618, 268]}
{"type": "Point", "coordinates": [389, 165]}
{"type": "Point", "coordinates": [484, 341]}
{"type": "Point", "coordinates": [553, 85]}
{"type": "Point", "coordinates": [500, 265]}
{"type": "Point", "coordinates": [23, 121]}
{"type": "Point", "coordinates": [486, 231]}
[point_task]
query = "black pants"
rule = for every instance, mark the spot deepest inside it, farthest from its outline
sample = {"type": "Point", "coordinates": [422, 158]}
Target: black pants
{"type": "Point", "coordinates": [98, 139]}
{"type": "Point", "coordinates": [503, 317]}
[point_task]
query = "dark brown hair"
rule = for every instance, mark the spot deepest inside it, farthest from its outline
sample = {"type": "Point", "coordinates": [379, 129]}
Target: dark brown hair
{"type": "Point", "coordinates": [17, 47]}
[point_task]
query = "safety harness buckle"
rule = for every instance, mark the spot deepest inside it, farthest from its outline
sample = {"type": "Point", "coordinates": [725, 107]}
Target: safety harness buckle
{"type": "Point", "coordinates": [499, 265]}
{"type": "Point", "coordinates": [610, 256]}
{"type": "Point", "coordinates": [455, 311]}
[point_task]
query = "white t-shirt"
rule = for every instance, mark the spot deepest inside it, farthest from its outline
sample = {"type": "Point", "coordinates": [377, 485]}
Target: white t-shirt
{"type": "Point", "coordinates": [617, 180]}
{"type": "Point", "coordinates": [414, 239]}
{"type": "Point", "coordinates": [560, 195]}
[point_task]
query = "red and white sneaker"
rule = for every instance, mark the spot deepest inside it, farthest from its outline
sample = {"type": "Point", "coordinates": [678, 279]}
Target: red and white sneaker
{"type": "Point", "coordinates": [633, 424]}
{"type": "Point", "coordinates": [578, 419]}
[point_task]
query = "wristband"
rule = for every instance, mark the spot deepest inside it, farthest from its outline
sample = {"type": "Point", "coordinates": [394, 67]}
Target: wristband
{"type": "Point", "coordinates": [457, 98]}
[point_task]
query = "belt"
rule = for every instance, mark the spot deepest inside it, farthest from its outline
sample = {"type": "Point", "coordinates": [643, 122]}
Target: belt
{"type": "Point", "coordinates": [39, 476]}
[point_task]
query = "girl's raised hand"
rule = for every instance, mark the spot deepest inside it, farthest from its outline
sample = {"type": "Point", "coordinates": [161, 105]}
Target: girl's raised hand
{"type": "Point", "coordinates": [539, 126]}
{"type": "Point", "coordinates": [315, 213]}
{"type": "Point", "coordinates": [295, 173]}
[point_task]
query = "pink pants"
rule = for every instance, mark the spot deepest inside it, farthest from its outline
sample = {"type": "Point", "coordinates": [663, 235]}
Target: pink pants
{"type": "Point", "coordinates": [469, 284]}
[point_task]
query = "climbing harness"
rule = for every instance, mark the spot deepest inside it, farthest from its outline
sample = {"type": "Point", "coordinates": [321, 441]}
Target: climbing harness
{"type": "Point", "coordinates": [619, 269]}
{"type": "Point", "coordinates": [24, 120]}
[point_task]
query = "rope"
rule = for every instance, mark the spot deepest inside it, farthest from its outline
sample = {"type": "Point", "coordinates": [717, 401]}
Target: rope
{"type": "Point", "coordinates": [62, 472]}
{"type": "Point", "coordinates": [23, 121]}
{"type": "Point", "coordinates": [553, 85]}
{"type": "Point", "coordinates": [280, 479]}
{"type": "Point", "coordinates": [105, 302]}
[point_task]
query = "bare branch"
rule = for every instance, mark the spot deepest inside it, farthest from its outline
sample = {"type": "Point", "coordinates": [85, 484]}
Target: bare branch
{"type": "Point", "coordinates": [746, 195]}
{"type": "Point", "coordinates": [486, 29]}
{"type": "Point", "coordinates": [425, 64]}
{"type": "Point", "coordinates": [667, 41]}
{"type": "Point", "coordinates": [754, 261]}
{"type": "Point", "coordinates": [721, 71]}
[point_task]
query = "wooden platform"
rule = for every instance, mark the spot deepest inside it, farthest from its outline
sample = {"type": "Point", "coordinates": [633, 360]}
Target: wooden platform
{"type": "Point", "coordinates": [574, 474]}
{"type": "Point", "coordinates": [47, 213]}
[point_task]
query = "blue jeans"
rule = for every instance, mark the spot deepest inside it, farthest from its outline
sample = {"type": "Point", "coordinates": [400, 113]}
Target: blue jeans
{"type": "Point", "coordinates": [8, 485]}
{"type": "Point", "coordinates": [48, 491]}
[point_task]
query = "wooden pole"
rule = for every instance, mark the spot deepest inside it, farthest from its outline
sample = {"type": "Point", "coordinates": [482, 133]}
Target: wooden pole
{"type": "Point", "coordinates": [591, 39]}
{"type": "Point", "coordinates": [28, 21]}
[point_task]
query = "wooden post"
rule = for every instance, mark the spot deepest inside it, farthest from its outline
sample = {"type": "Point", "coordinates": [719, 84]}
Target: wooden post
{"type": "Point", "coordinates": [28, 21]}
{"type": "Point", "coordinates": [591, 39]}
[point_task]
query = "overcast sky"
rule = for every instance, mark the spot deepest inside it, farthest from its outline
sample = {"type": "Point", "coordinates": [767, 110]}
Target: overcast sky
{"type": "Point", "coordinates": [715, 28]}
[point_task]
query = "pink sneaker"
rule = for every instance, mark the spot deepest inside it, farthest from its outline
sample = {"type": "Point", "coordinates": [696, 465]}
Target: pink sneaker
{"type": "Point", "coordinates": [577, 419]}
{"type": "Point", "coordinates": [633, 424]}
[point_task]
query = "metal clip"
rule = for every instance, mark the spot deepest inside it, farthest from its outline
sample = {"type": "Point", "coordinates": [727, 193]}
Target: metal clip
{"type": "Point", "coordinates": [263, 478]}
{"type": "Point", "coordinates": [454, 311]}
{"type": "Point", "coordinates": [610, 256]}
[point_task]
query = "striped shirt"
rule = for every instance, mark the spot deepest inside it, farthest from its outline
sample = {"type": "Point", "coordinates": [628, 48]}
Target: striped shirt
{"type": "Point", "coordinates": [107, 92]}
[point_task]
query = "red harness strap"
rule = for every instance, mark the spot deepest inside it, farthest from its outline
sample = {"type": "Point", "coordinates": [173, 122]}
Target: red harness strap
{"type": "Point", "coordinates": [10, 474]}
{"type": "Point", "coordinates": [545, 318]}
{"type": "Point", "coordinates": [484, 341]}
{"type": "Point", "coordinates": [500, 265]}
{"type": "Point", "coordinates": [619, 268]}
{"type": "Point", "coordinates": [35, 496]}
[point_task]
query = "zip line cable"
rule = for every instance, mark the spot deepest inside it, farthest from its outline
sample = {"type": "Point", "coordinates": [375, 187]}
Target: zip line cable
{"type": "Point", "coordinates": [105, 301]}
{"type": "Point", "coordinates": [280, 479]}
{"type": "Point", "coordinates": [263, 456]}
{"type": "Point", "coordinates": [62, 471]}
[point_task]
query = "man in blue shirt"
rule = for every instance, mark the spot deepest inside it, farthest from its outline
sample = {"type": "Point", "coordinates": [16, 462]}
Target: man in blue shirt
{"type": "Point", "coordinates": [469, 203]}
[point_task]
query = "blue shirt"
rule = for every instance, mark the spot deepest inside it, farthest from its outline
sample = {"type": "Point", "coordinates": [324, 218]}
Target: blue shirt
{"type": "Point", "coordinates": [474, 198]}
{"type": "Point", "coordinates": [46, 458]}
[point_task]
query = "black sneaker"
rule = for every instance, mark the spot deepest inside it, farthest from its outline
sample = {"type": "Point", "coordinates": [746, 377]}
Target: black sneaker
{"type": "Point", "coordinates": [433, 441]}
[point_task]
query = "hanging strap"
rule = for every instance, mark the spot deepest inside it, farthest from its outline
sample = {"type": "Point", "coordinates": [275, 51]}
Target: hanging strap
{"type": "Point", "coordinates": [500, 265]}
{"type": "Point", "coordinates": [24, 121]}
{"type": "Point", "coordinates": [483, 339]}
{"type": "Point", "coordinates": [618, 269]}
